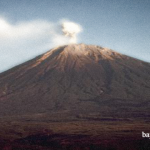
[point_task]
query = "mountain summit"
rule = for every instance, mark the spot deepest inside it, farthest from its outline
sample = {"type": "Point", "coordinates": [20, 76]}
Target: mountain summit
{"type": "Point", "coordinates": [79, 80]}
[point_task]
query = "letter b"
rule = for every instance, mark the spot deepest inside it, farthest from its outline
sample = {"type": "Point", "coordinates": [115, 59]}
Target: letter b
{"type": "Point", "coordinates": [143, 134]}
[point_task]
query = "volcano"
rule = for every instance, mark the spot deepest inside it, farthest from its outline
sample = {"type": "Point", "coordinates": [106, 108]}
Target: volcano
{"type": "Point", "coordinates": [81, 83]}
{"type": "Point", "coordinates": [80, 79]}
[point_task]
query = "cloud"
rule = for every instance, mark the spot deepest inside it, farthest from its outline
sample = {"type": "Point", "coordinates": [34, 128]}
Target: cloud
{"type": "Point", "coordinates": [71, 30]}
{"type": "Point", "coordinates": [26, 39]}
{"type": "Point", "coordinates": [23, 30]}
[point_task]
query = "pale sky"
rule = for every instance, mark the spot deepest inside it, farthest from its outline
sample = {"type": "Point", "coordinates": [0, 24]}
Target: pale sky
{"type": "Point", "coordinates": [31, 27]}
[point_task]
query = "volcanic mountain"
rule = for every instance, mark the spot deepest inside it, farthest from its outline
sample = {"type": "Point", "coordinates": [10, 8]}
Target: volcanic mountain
{"type": "Point", "coordinates": [76, 97]}
{"type": "Point", "coordinates": [78, 80]}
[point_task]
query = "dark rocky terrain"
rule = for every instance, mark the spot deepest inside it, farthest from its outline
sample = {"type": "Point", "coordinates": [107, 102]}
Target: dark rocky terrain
{"type": "Point", "coordinates": [82, 95]}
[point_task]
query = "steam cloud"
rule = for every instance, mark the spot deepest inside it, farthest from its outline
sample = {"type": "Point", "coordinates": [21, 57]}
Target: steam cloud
{"type": "Point", "coordinates": [71, 30]}
{"type": "Point", "coordinates": [65, 32]}
{"type": "Point", "coordinates": [24, 40]}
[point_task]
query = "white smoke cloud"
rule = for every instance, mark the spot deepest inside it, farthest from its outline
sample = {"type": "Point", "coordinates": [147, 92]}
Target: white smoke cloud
{"type": "Point", "coordinates": [26, 39]}
{"type": "Point", "coordinates": [71, 30]}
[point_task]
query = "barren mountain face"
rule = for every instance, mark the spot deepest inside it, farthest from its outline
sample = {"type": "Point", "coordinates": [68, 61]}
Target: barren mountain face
{"type": "Point", "coordinates": [79, 80]}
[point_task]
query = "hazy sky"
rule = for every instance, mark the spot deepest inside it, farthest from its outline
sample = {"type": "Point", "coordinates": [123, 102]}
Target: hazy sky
{"type": "Point", "coordinates": [30, 27]}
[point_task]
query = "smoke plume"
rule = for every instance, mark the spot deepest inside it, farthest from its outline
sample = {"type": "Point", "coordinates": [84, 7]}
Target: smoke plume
{"type": "Point", "coordinates": [71, 30]}
{"type": "Point", "coordinates": [23, 40]}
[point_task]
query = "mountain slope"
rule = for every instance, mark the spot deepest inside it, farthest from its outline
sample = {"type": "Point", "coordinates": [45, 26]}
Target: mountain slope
{"type": "Point", "coordinates": [79, 80]}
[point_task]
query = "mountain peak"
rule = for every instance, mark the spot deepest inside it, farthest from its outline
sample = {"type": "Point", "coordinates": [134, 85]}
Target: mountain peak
{"type": "Point", "coordinates": [77, 54]}
{"type": "Point", "coordinates": [82, 50]}
{"type": "Point", "coordinates": [74, 77]}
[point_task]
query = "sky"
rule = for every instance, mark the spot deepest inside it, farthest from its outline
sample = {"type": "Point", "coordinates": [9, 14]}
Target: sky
{"type": "Point", "coordinates": [31, 27]}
